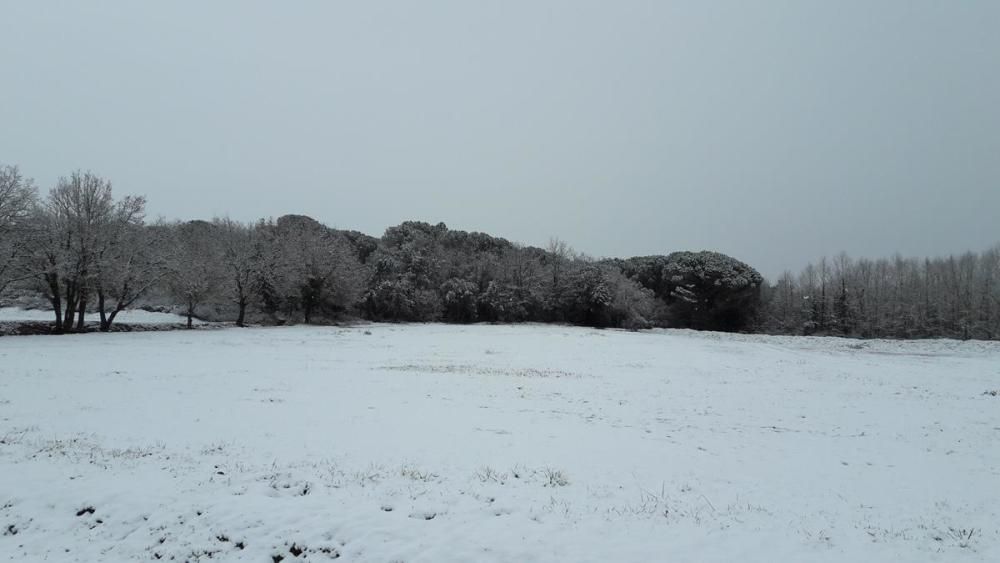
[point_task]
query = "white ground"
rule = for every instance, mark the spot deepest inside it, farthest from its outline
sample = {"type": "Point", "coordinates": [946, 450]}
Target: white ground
{"type": "Point", "coordinates": [496, 443]}
{"type": "Point", "coordinates": [129, 316]}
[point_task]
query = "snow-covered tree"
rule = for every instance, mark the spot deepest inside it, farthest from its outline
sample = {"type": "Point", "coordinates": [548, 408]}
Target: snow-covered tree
{"type": "Point", "coordinates": [312, 269]}
{"type": "Point", "coordinates": [702, 290]}
{"type": "Point", "coordinates": [194, 267]}
{"type": "Point", "coordinates": [75, 235]}
{"type": "Point", "coordinates": [243, 260]}
{"type": "Point", "coordinates": [17, 200]}
{"type": "Point", "coordinates": [459, 300]}
{"type": "Point", "coordinates": [128, 269]}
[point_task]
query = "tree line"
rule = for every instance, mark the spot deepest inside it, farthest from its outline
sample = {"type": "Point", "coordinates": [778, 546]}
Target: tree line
{"type": "Point", "coordinates": [91, 256]}
{"type": "Point", "coordinates": [955, 297]}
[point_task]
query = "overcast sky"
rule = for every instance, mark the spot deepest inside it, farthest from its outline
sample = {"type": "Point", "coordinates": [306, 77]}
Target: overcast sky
{"type": "Point", "coordinates": [772, 131]}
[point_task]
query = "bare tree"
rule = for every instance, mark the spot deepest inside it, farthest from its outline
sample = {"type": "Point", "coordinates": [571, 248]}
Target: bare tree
{"type": "Point", "coordinates": [559, 255]}
{"type": "Point", "coordinates": [242, 261]}
{"type": "Point", "coordinates": [954, 296]}
{"type": "Point", "coordinates": [312, 269]}
{"type": "Point", "coordinates": [82, 224]}
{"type": "Point", "coordinates": [127, 269]}
{"type": "Point", "coordinates": [785, 305]}
{"type": "Point", "coordinates": [194, 271]}
{"type": "Point", "coordinates": [17, 200]}
{"type": "Point", "coordinates": [17, 195]}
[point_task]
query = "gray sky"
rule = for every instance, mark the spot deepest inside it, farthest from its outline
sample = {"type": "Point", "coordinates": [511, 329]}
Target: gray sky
{"type": "Point", "coordinates": [772, 131]}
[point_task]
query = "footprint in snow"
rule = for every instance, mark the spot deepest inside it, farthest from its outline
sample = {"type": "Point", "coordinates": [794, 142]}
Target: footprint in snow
{"type": "Point", "coordinates": [423, 515]}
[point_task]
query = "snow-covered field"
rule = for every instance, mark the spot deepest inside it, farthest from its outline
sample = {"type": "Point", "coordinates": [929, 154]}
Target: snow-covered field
{"type": "Point", "coordinates": [130, 316]}
{"type": "Point", "coordinates": [496, 443]}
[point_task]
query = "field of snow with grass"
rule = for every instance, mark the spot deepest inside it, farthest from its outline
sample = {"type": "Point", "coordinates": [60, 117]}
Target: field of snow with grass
{"type": "Point", "coordinates": [430, 443]}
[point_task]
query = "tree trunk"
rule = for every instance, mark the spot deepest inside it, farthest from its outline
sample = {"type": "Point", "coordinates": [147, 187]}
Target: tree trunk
{"type": "Point", "coordinates": [57, 308]}
{"type": "Point", "coordinates": [190, 314]}
{"type": "Point", "coordinates": [81, 312]}
{"type": "Point", "coordinates": [105, 325]}
{"type": "Point", "coordinates": [243, 310]}
{"type": "Point", "coordinates": [69, 314]}
{"type": "Point", "coordinates": [53, 281]}
{"type": "Point", "coordinates": [111, 318]}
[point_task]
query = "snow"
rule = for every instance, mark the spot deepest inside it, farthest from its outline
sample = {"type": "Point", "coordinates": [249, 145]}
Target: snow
{"type": "Point", "coordinates": [428, 443]}
{"type": "Point", "coordinates": [128, 316]}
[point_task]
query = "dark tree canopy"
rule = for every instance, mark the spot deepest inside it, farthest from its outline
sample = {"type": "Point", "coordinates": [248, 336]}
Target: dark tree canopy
{"type": "Point", "coordinates": [702, 290]}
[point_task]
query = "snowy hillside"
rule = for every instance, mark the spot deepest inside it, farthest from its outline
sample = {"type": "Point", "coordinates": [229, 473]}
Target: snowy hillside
{"type": "Point", "coordinates": [429, 443]}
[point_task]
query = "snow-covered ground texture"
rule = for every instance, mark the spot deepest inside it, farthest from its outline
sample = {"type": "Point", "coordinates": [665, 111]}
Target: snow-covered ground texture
{"type": "Point", "coordinates": [129, 316]}
{"type": "Point", "coordinates": [429, 443]}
